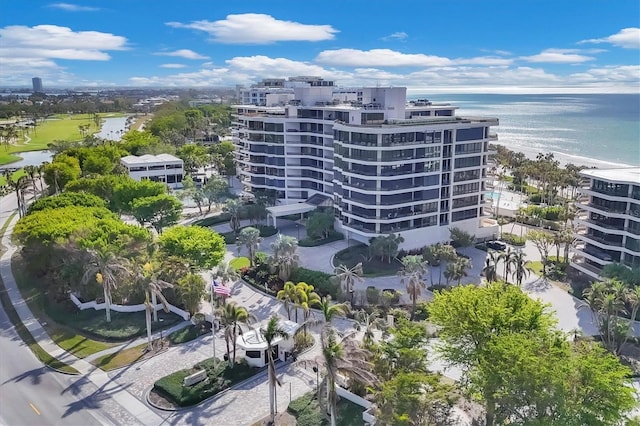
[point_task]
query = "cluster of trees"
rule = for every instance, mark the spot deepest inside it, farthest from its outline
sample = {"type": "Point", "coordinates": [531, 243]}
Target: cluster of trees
{"type": "Point", "coordinates": [545, 171]}
{"type": "Point", "coordinates": [520, 367]}
{"type": "Point", "coordinates": [202, 123]}
{"type": "Point", "coordinates": [514, 262]}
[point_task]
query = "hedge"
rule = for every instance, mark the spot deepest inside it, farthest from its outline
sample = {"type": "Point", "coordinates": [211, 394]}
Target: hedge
{"type": "Point", "coordinates": [219, 377]}
{"type": "Point", "coordinates": [265, 231]}
{"type": "Point", "coordinates": [333, 236]}
{"type": "Point", "coordinates": [213, 220]}
{"type": "Point", "coordinates": [513, 239]}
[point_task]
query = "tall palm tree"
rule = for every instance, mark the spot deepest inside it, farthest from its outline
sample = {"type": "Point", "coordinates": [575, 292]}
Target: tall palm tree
{"type": "Point", "coordinates": [226, 272]}
{"type": "Point", "coordinates": [507, 258]}
{"type": "Point", "coordinates": [232, 317]}
{"type": "Point", "coordinates": [233, 207]}
{"type": "Point", "coordinates": [607, 301]}
{"type": "Point", "coordinates": [462, 266]}
{"type": "Point", "coordinates": [153, 287]}
{"type": "Point", "coordinates": [490, 272]}
{"type": "Point", "coordinates": [270, 333]}
{"type": "Point", "coordinates": [290, 296]}
{"type": "Point", "coordinates": [521, 267]}
{"type": "Point", "coordinates": [250, 239]}
{"type": "Point", "coordinates": [106, 268]}
{"type": "Point", "coordinates": [284, 255]}
{"type": "Point", "coordinates": [446, 254]}
{"type": "Point", "coordinates": [431, 254]}
{"type": "Point", "coordinates": [307, 298]}
{"type": "Point", "coordinates": [343, 356]}
{"type": "Point", "coordinates": [347, 277]}
{"type": "Point", "coordinates": [31, 171]}
{"type": "Point", "coordinates": [19, 186]}
{"type": "Point", "coordinates": [412, 273]}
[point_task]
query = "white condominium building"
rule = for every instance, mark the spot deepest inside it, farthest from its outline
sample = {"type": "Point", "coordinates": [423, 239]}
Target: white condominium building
{"type": "Point", "coordinates": [390, 166]}
{"type": "Point", "coordinates": [608, 220]}
{"type": "Point", "coordinates": [159, 168]}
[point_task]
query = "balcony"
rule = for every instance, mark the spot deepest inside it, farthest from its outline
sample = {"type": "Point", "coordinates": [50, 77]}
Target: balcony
{"type": "Point", "coordinates": [610, 192]}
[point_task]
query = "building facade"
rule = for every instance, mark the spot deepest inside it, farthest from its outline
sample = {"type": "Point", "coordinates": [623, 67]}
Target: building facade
{"type": "Point", "coordinates": [390, 166]}
{"type": "Point", "coordinates": [608, 220]}
{"type": "Point", "coordinates": [158, 168]}
{"type": "Point", "coordinates": [37, 84]}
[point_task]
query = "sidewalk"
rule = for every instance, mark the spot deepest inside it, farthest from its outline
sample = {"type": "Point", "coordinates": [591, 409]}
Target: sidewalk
{"type": "Point", "coordinates": [98, 377]}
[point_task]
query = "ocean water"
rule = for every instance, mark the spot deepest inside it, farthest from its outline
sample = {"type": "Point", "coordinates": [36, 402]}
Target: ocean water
{"type": "Point", "coordinates": [601, 130]}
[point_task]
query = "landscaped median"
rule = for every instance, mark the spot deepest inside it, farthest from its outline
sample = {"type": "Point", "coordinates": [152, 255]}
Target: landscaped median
{"type": "Point", "coordinates": [171, 393]}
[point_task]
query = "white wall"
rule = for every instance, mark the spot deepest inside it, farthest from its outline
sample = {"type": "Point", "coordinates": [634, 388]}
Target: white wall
{"type": "Point", "coordinates": [125, 308]}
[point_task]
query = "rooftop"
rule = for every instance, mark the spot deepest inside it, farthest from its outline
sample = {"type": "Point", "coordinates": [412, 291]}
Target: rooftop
{"type": "Point", "coordinates": [621, 174]}
{"type": "Point", "coordinates": [148, 158]}
{"type": "Point", "coordinates": [253, 340]}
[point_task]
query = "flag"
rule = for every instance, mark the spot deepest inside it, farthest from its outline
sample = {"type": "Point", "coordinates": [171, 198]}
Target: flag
{"type": "Point", "coordinates": [220, 289]}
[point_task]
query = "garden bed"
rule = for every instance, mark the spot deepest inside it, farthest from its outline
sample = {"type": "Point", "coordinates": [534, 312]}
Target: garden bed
{"type": "Point", "coordinates": [309, 242]}
{"type": "Point", "coordinates": [265, 231]}
{"type": "Point", "coordinates": [219, 377]}
{"type": "Point", "coordinates": [353, 255]}
{"type": "Point", "coordinates": [306, 410]}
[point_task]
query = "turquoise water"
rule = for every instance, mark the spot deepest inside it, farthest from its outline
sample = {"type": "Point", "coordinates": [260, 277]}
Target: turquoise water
{"type": "Point", "coordinates": [594, 130]}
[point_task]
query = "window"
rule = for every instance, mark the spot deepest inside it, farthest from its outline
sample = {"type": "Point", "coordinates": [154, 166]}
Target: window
{"type": "Point", "coordinates": [464, 214]}
{"type": "Point", "coordinates": [253, 354]}
{"type": "Point", "coordinates": [461, 163]}
{"type": "Point", "coordinates": [470, 134]}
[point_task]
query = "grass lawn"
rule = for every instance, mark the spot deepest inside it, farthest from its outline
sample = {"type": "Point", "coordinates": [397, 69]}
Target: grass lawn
{"type": "Point", "coordinates": [375, 268]}
{"type": "Point", "coordinates": [536, 267]}
{"type": "Point", "coordinates": [121, 358]}
{"type": "Point", "coordinates": [306, 410]}
{"type": "Point", "coordinates": [57, 127]}
{"type": "Point", "coordinates": [15, 176]}
{"type": "Point", "coordinates": [240, 262]}
{"type": "Point", "coordinates": [187, 334]}
{"type": "Point", "coordinates": [219, 377]}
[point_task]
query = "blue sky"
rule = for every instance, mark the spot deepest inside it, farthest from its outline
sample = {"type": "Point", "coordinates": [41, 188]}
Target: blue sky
{"type": "Point", "coordinates": [491, 46]}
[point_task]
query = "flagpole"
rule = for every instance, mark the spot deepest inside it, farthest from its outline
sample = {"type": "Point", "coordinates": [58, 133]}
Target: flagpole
{"type": "Point", "coordinates": [213, 325]}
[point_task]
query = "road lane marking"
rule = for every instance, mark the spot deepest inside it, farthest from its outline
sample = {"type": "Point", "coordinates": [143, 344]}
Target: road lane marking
{"type": "Point", "coordinates": [33, 407]}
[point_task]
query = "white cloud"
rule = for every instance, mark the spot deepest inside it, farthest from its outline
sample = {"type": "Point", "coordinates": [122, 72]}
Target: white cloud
{"type": "Point", "coordinates": [173, 66]}
{"type": "Point", "coordinates": [378, 58]}
{"type": "Point", "coordinates": [558, 56]}
{"type": "Point", "coordinates": [399, 36]}
{"type": "Point", "coordinates": [264, 66]}
{"type": "Point", "coordinates": [51, 41]}
{"type": "Point", "coordinates": [255, 28]}
{"type": "Point", "coordinates": [628, 38]}
{"type": "Point", "coordinates": [183, 53]}
{"type": "Point", "coordinates": [484, 60]}
{"type": "Point", "coordinates": [73, 7]}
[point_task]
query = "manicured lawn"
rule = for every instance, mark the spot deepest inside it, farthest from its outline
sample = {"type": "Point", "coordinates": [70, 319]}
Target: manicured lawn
{"type": "Point", "coordinates": [536, 267]}
{"type": "Point", "coordinates": [374, 268]}
{"type": "Point", "coordinates": [121, 358]}
{"type": "Point", "coordinates": [219, 377]}
{"type": "Point", "coordinates": [240, 262]}
{"type": "Point", "coordinates": [58, 127]}
{"type": "Point", "coordinates": [306, 410]}
{"type": "Point", "coordinates": [15, 176]}
{"type": "Point", "coordinates": [187, 334]}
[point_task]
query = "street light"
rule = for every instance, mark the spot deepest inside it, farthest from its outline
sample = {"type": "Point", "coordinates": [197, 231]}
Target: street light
{"type": "Point", "coordinates": [317, 371]}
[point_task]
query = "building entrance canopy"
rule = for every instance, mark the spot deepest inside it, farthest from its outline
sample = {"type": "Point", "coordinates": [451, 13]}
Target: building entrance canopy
{"type": "Point", "coordinates": [298, 208]}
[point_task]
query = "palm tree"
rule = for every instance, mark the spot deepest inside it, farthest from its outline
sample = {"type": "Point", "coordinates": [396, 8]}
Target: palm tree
{"type": "Point", "coordinates": [522, 268]}
{"type": "Point", "coordinates": [250, 239]}
{"type": "Point", "coordinates": [284, 255]}
{"type": "Point", "coordinates": [369, 322]}
{"type": "Point", "coordinates": [607, 302]}
{"type": "Point", "coordinates": [153, 287]}
{"type": "Point", "coordinates": [19, 186]}
{"type": "Point", "coordinates": [348, 277]}
{"type": "Point", "coordinates": [490, 272]}
{"type": "Point", "coordinates": [31, 171]}
{"type": "Point", "coordinates": [431, 255]}
{"type": "Point", "coordinates": [232, 317]}
{"type": "Point", "coordinates": [446, 254]}
{"type": "Point", "coordinates": [330, 310]}
{"type": "Point", "coordinates": [507, 257]}
{"type": "Point", "coordinates": [289, 295]}
{"type": "Point", "coordinates": [105, 267]}
{"type": "Point", "coordinates": [462, 265]}
{"type": "Point", "coordinates": [234, 207]}
{"type": "Point", "coordinates": [307, 298]}
{"type": "Point", "coordinates": [270, 334]}
{"type": "Point", "coordinates": [343, 356]}
{"type": "Point", "coordinates": [412, 273]}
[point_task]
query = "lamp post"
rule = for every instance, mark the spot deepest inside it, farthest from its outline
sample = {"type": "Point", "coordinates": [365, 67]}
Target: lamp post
{"type": "Point", "coordinates": [213, 323]}
{"type": "Point", "coordinates": [317, 371]}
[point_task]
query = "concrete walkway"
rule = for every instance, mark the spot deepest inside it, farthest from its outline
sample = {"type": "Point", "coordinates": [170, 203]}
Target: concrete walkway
{"type": "Point", "coordinates": [98, 377]}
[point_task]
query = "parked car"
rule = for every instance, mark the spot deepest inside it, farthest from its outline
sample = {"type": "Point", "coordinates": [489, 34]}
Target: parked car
{"type": "Point", "coordinates": [460, 254]}
{"type": "Point", "coordinates": [497, 245]}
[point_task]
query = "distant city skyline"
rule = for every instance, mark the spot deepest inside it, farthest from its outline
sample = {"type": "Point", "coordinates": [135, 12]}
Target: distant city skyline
{"type": "Point", "coordinates": [464, 46]}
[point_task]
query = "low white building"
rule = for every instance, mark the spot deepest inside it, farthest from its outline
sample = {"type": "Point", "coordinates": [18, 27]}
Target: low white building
{"type": "Point", "coordinates": [159, 168]}
{"type": "Point", "coordinates": [254, 348]}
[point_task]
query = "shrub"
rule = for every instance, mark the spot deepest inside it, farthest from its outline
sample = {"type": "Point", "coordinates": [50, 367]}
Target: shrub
{"type": "Point", "coordinates": [219, 377]}
{"type": "Point", "coordinates": [213, 220]}
{"type": "Point", "coordinates": [422, 311]}
{"type": "Point", "coordinates": [321, 281]}
{"type": "Point", "coordinates": [373, 295]}
{"type": "Point", "coordinates": [310, 242]}
{"type": "Point", "coordinates": [399, 313]}
{"type": "Point", "coordinates": [514, 239]}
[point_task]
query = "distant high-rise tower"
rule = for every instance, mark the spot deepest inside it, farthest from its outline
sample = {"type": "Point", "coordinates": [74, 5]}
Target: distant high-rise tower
{"type": "Point", "coordinates": [37, 84]}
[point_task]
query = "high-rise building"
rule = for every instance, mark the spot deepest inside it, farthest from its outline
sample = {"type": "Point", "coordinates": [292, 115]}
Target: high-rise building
{"type": "Point", "coordinates": [37, 84]}
{"type": "Point", "coordinates": [389, 166]}
{"type": "Point", "coordinates": [608, 220]}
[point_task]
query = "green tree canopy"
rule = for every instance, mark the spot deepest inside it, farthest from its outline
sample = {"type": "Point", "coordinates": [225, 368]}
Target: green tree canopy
{"type": "Point", "coordinates": [62, 170]}
{"type": "Point", "coordinates": [160, 211]}
{"type": "Point", "coordinates": [67, 199]}
{"type": "Point", "coordinates": [201, 247]}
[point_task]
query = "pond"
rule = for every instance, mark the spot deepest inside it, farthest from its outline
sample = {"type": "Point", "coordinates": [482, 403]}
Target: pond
{"type": "Point", "coordinates": [113, 128]}
{"type": "Point", "coordinates": [30, 158]}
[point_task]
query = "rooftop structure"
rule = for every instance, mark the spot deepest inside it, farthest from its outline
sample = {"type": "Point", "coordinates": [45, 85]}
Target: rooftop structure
{"type": "Point", "coordinates": [608, 220]}
{"type": "Point", "coordinates": [158, 168]}
{"type": "Point", "coordinates": [255, 347]}
{"type": "Point", "coordinates": [389, 166]}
